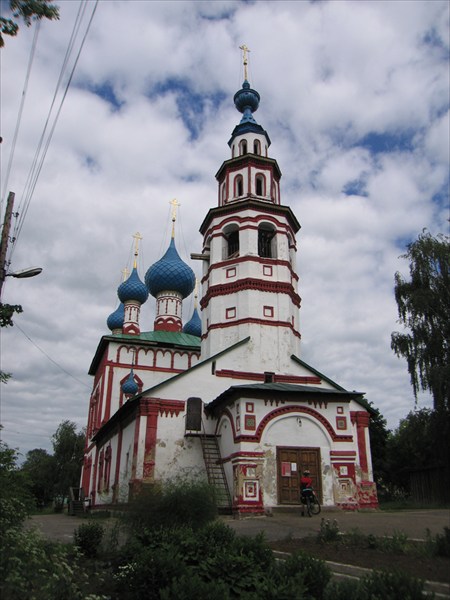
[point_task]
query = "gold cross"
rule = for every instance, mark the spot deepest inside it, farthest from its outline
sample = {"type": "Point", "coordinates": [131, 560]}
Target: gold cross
{"type": "Point", "coordinates": [125, 273]}
{"type": "Point", "coordinates": [175, 204]}
{"type": "Point", "coordinates": [137, 236]}
{"type": "Point", "coordinates": [245, 49]}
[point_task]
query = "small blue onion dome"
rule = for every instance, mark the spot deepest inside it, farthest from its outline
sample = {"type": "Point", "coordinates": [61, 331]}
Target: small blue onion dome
{"type": "Point", "coordinates": [116, 319]}
{"type": "Point", "coordinates": [194, 325]}
{"type": "Point", "coordinates": [246, 101]}
{"type": "Point", "coordinates": [133, 289]}
{"type": "Point", "coordinates": [170, 273]}
{"type": "Point", "coordinates": [129, 386]}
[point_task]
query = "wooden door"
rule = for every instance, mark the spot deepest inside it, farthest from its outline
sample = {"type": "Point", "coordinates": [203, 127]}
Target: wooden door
{"type": "Point", "coordinates": [291, 462]}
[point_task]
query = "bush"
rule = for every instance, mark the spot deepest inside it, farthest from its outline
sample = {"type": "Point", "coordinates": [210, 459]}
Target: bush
{"type": "Point", "coordinates": [315, 573]}
{"type": "Point", "coordinates": [191, 587]}
{"type": "Point", "coordinates": [177, 503]}
{"type": "Point", "coordinates": [392, 586]}
{"type": "Point", "coordinates": [88, 537]}
{"type": "Point", "coordinates": [329, 531]}
{"type": "Point", "coordinates": [35, 569]}
{"type": "Point", "coordinates": [442, 543]}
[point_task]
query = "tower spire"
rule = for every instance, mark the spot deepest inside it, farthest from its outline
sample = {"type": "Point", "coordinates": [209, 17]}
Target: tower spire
{"type": "Point", "coordinates": [175, 204]}
{"type": "Point", "coordinates": [245, 50]}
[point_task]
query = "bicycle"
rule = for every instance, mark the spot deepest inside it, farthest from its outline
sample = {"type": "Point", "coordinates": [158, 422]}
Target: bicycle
{"type": "Point", "coordinates": [310, 500]}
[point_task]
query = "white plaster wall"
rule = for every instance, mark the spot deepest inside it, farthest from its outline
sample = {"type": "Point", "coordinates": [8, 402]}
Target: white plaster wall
{"type": "Point", "coordinates": [177, 456]}
{"type": "Point", "coordinates": [285, 431]}
{"type": "Point", "coordinates": [125, 467]}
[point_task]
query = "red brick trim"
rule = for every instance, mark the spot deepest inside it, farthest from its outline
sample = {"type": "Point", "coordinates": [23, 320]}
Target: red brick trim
{"type": "Point", "coordinates": [260, 377]}
{"type": "Point", "coordinates": [250, 283]}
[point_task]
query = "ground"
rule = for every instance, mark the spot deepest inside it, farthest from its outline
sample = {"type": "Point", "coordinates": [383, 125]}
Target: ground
{"type": "Point", "coordinates": [422, 567]}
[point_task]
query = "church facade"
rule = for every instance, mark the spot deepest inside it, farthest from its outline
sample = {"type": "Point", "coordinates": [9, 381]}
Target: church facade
{"type": "Point", "coordinates": [225, 396]}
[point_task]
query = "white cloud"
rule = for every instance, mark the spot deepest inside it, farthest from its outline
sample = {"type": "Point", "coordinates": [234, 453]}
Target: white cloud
{"type": "Point", "coordinates": [329, 74]}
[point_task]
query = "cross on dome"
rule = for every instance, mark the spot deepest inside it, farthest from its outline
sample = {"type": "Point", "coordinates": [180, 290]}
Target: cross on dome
{"type": "Point", "coordinates": [137, 236]}
{"type": "Point", "coordinates": [245, 49]}
{"type": "Point", "coordinates": [175, 204]}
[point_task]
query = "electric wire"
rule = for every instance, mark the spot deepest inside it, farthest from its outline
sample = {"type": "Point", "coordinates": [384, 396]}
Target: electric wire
{"type": "Point", "coordinates": [50, 358]}
{"type": "Point", "coordinates": [19, 115]}
{"type": "Point", "coordinates": [38, 164]}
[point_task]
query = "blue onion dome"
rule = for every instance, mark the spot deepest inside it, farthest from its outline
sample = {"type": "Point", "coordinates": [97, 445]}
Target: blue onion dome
{"type": "Point", "coordinates": [246, 101]}
{"type": "Point", "coordinates": [133, 289]}
{"type": "Point", "coordinates": [129, 386]}
{"type": "Point", "coordinates": [170, 273]}
{"type": "Point", "coordinates": [194, 325]}
{"type": "Point", "coordinates": [116, 319]}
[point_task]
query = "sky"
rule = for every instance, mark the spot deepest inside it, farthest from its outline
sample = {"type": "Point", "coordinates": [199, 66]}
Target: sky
{"type": "Point", "coordinates": [355, 99]}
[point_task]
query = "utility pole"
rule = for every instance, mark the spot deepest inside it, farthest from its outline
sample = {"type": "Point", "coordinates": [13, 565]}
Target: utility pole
{"type": "Point", "coordinates": [5, 238]}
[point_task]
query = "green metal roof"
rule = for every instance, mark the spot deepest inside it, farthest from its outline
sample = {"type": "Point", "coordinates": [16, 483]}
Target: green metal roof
{"type": "Point", "coordinates": [167, 339]}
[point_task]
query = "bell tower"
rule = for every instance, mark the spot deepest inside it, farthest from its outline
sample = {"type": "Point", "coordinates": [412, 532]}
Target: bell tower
{"type": "Point", "coordinates": [249, 251]}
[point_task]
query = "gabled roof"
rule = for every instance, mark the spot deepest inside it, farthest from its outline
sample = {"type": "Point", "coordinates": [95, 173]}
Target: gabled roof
{"type": "Point", "coordinates": [279, 388]}
{"type": "Point", "coordinates": [316, 372]}
{"type": "Point", "coordinates": [166, 339]}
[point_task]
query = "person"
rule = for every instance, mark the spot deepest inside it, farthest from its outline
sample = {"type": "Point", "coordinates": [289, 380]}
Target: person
{"type": "Point", "coordinates": [305, 488]}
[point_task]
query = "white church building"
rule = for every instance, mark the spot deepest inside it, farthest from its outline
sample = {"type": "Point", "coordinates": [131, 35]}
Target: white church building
{"type": "Point", "coordinates": [225, 396]}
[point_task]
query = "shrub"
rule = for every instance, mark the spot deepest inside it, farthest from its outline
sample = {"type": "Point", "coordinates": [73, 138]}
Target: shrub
{"type": "Point", "coordinates": [178, 503]}
{"type": "Point", "coordinates": [191, 587]}
{"type": "Point", "coordinates": [38, 570]}
{"type": "Point", "coordinates": [345, 589]}
{"type": "Point", "coordinates": [442, 543]}
{"type": "Point", "coordinates": [329, 531]}
{"type": "Point", "coordinates": [315, 573]}
{"type": "Point", "coordinates": [88, 537]}
{"type": "Point", "coordinates": [392, 585]}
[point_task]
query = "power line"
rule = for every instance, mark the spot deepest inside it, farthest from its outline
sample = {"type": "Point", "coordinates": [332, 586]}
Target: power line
{"type": "Point", "coordinates": [39, 158]}
{"type": "Point", "coordinates": [50, 358]}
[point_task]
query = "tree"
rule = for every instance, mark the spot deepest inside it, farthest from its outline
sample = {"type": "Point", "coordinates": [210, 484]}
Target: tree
{"type": "Point", "coordinates": [39, 470]}
{"type": "Point", "coordinates": [423, 305]}
{"type": "Point", "coordinates": [68, 449]}
{"type": "Point", "coordinates": [28, 11]}
{"type": "Point", "coordinates": [6, 314]}
{"type": "Point", "coordinates": [15, 500]}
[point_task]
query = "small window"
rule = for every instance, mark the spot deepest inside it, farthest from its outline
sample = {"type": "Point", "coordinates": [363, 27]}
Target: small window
{"type": "Point", "coordinates": [269, 377]}
{"type": "Point", "coordinates": [260, 185]}
{"type": "Point", "coordinates": [238, 186]}
{"type": "Point", "coordinates": [256, 147]}
{"type": "Point", "coordinates": [243, 147]}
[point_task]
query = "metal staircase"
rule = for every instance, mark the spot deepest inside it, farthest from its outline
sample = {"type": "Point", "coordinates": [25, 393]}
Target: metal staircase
{"type": "Point", "coordinates": [216, 473]}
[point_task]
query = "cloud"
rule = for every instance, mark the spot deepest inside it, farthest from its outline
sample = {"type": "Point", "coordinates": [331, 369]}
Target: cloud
{"type": "Point", "coordinates": [354, 96]}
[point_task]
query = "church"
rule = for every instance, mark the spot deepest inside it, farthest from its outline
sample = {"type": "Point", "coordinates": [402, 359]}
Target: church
{"type": "Point", "coordinates": [224, 396]}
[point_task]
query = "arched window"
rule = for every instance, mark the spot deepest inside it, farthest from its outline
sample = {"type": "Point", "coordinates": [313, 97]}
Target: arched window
{"type": "Point", "coordinates": [231, 241]}
{"type": "Point", "coordinates": [266, 241]}
{"type": "Point", "coordinates": [238, 186]}
{"type": "Point", "coordinates": [274, 191]}
{"type": "Point", "coordinates": [243, 147]}
{"type": "Point", "coordinates": [256, 147]}
{"type": "Point", "coordinates": [223, 193]}
{"type": "Point", "coordinates": [260, 185]}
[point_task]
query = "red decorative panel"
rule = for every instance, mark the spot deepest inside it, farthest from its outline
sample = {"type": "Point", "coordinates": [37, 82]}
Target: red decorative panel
{"type": "Point", "coordinates": [340, 410]}
{"type": "Point", "coordinates": [230, 313]}
{"type": "Point", "coordinates": [231, 272]}
{"type": "Point", "coordinates": [267, 270]}
{"type": "Point", "coordinates": [341, 423]}
{"type": "Point", "coordinates": [250, 407]}
{"type": "Point", "coordinates": [250, 422]}
{"type": "Point", "coordinates": [268, 311]}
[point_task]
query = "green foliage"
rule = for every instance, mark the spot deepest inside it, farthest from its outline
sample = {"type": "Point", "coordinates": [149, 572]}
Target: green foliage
{"type": "Point", "coordinates": [7, 312]}
{"type": "Point", "coordinates": [423, 309]}
{"type": "Point", "coordinates": [421, 440]}
{"type": "Point", "coordinates": [28, 11]}
{"type": "Point", "coordinates": [314, 573]}
{"type": "Point", "coordinates": [68, 450]}
{"type": "Point", "coordinates": [15, 500]}
{"type": "Point", "coordinates": [178, 503]}
{"type": "Point", "coordinates": [392, 585]}
{"type": "Point", "coordinates": [39, 469]}
{"type": "Point", "coordinates": [34, 569]}
{"type": "Point", "coordinates": [88, 537]}
{"type": "Point", "coordinates": [385, 585]}
{"type": "Point", "coordinates": [192, 587]}
{"type": "Point", "coordinates": [329, 531]}
{"type": "Point", "coordinates": [440, 544]}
